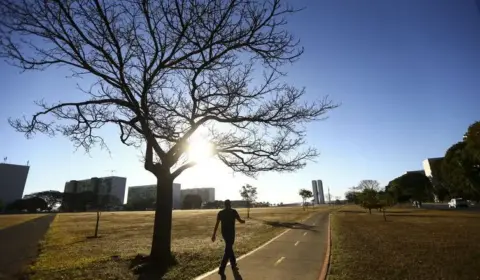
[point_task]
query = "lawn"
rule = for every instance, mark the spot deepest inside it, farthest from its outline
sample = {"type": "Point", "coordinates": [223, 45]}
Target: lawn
{"type": "Point", "coordinates": [412, 244]}
{"type": "Point", "coordinates": [67, 253]}
{"type": "Point", "coordinates": [15, 219]}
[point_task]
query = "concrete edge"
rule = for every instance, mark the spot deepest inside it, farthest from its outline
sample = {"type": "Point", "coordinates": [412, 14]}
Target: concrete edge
{"type": "Point", "coordinates": [326, 261]}
{"type": "Point", "coordinates": [205, 275]}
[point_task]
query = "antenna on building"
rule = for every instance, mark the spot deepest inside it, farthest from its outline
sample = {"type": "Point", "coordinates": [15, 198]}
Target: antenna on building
{"type": "Point", "coordinates": [5, 160]}
{"type": "Point", "coordinates": [112, 171]}
{"type": "Point", "coordinates": [28, 163]}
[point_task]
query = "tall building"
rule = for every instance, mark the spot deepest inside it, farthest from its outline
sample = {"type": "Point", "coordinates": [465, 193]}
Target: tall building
{"type": "Point", "coordinates": [429, 165]}
{"type": "Point", "coordinates": [207, 194]}
{"type": "Point", "coordinates": [318, 195]}
{"type": "Point", "coordinates": [150, 192]}
{"type": "Point", "coordinates": [315, 192]}
{"type": "Point", "coordinates": [321, 195]}
{"type": "Point", "coordinates": [12, 182]}
{"type": "Point", "coordinates": [112, 185]}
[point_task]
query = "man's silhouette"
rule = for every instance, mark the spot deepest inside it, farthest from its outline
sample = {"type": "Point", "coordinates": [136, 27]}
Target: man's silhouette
{"type": "Point", "coordinates": [227, 216]}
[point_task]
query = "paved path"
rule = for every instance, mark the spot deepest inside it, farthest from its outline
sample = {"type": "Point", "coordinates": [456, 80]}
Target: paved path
{"type": "Point", "coordinates": [297, 254]}
{"type": "Point", "coordinates": [19, 245]}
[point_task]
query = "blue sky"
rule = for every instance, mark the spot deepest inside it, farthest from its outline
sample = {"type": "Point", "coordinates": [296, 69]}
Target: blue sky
{"type": "Point", "coordinates": [406, 72]}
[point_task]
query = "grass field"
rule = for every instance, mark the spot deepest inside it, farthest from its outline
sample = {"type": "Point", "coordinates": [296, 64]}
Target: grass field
{"type": "Point", "coordinates": [15, 219]}
{"type": "Point", "coordinates": [67, 253]}
{"type": "Point", "coordinates": [412, 244]}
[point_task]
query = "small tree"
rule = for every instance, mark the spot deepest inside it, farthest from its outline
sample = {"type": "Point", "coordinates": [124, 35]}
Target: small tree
{"type": "Point", "coordinates": [249, 194]}
{"type": "Point", "coordinates": [385, 200]}
{"type": "Point", "coordinates": [100, 204]}
{"type": "Point", "coordinates": [305, 194]}
{"type": "Point", "coordinates": [369, 199]}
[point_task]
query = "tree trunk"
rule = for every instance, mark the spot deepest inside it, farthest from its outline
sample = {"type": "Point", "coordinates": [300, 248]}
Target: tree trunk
{"type": "Point", "coordinates": [162, 227]}
{"type": "Point", "coordinates": [96, 226]}
{"type": "Point", "coordinates": [370, 210]}
{"type": "Point", "coordinates": [384, 217]}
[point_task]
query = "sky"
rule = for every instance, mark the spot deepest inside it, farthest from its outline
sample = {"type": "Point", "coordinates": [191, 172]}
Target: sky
{"type": "Point", "coordinates": [407, 74]}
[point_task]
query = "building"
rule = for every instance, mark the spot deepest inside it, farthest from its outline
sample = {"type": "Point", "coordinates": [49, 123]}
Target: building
{"type": "Point", "coordinates": [318, 195]}
{"type": "Point", "coordinates": [207, 194]}
{"type": "Point", "coordinates": [430, 167]}
{"type": "Point", "coordinates": [12, 182]}
{"type": "Point", "coordinates": [150, 192]}
{"type": "Point", "coordinates": [111, 185]}
{"type": "Point", "coordinates": [315, 192]}
{"type": "Point", "coordinates": [321, 194]}
{"type": "Point", "coordinates": [415, 171]}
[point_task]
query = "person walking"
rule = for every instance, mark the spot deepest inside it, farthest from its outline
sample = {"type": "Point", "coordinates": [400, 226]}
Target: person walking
{"type": "Point", "coordinates": [227, 217]}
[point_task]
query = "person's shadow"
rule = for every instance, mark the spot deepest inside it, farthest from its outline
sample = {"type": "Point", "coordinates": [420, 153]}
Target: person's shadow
{"type": "Point", "coordinates": [236, 276]}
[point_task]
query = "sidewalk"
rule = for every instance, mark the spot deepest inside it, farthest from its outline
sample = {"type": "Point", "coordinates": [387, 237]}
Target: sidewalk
{"type": "Point", "coordinates": [19, 245]}
{"type": "Point", "coordinates": [297, 254]}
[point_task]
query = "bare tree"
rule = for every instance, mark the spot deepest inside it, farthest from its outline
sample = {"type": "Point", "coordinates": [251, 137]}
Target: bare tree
{"type": "Point", "coordinates": [368, 185]}
{"type": "Point", "coordinates": [164, 70]}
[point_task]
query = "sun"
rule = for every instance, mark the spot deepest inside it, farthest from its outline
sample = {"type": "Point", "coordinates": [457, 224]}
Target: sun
{"type": "Point", "coordinates": [199, 150]}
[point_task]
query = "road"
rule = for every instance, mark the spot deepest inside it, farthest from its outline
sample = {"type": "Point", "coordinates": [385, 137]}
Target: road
{"type": "Point", "coordinates": [19, 245]}
{"type": "Point", "coordinates": [444, 206]}
{"type": "Point", "coordinates": [297, 254]}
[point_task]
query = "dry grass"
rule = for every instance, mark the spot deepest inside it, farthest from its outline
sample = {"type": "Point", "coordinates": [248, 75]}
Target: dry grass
{"type": "Point", "coordinates": [68, 254]}
{"type": "Point", "coordinates": [15, 219]}
{"type": "Point", "coordinates": [412, 244]}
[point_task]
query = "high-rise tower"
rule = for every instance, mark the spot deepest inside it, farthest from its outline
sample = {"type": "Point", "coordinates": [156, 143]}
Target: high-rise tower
{"type": "Point", "coordinates": [315, 192]}
{"type": "Point", "coordinates": [320, 195]}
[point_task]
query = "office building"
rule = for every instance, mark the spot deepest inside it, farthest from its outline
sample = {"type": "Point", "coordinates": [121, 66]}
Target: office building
{"type": "Point", "coordinates": [207, 194]}
{"type": "Point", "coordinates": [136, 193]}
{"type": "Point", "coordinates": [321, 195]}
{"type": "Point", "coordinates": [113, 185]}
{"type": "Point", "coordinates": [12, 182]}
{"type": "Point", "coordinates": [318, 195]}
{"type": "Point", "coordinates": [315, 192]}
{"type": "Point", "coordinates": [430, 167]}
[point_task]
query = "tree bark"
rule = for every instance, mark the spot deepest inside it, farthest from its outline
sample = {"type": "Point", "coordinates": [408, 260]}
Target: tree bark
{"type": "Point", "coordinates": [96, 225]}
{"type": "Point", "coordinates": [162, 237]}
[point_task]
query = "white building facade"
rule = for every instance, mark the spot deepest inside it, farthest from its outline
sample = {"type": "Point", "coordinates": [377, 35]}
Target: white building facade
{"type": "Point", "coordinates": [428, 165]}
{"type": "Point", "coordinates": [150, 192]}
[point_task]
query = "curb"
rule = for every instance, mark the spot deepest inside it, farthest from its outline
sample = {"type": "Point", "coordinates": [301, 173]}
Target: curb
{"type": "Point", "coordinates": [328, 255]}
{"type": "Point", "coordinates": [205, 275]}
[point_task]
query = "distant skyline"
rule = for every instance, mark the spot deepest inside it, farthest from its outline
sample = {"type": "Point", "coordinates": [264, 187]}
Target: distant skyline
{"type": "Point", "coordinates": [406, 72]}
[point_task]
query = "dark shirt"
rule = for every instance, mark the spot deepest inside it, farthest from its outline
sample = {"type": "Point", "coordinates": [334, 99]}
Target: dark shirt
{"type": "Point", "coordinates": [228, 217]}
